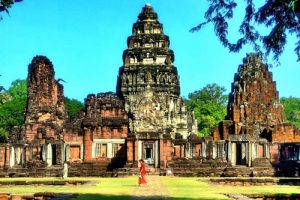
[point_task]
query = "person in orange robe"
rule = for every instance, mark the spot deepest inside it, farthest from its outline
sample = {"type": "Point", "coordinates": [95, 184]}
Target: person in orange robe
{"type": "Point", "coordinates": [142, 173]}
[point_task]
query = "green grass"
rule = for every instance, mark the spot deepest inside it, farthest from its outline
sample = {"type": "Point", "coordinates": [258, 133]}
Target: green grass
{"type": "Point", "coordinates": [99, 188]}
{"type": "Point", "coordinates": [195, 188]}
{"type": "Point", "coordinates": [123, 188]}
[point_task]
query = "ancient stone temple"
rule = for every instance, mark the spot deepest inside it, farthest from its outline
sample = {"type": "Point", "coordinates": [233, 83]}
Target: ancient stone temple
{"type": "Point", "coordinates": [149, 84]}
{"type": "Point", "coordinates": [147, 119]}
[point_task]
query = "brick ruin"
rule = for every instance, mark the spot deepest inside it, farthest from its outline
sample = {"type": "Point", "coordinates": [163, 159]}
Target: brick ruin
{"type": "Point", "coordinates": [255, 128]}
{"type": "Point", "coordinates": [147, 119]}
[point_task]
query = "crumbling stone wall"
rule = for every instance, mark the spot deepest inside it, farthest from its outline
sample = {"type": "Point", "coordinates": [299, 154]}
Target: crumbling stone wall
{"type": "Point", "coordinates": [253, 101]}
{"type": "Point", "coordinates": [105, 121]}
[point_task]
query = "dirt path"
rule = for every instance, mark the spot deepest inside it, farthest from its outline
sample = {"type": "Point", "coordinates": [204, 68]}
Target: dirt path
{"type": "Point", "coordinates": [155, 190]}
{"type": "Point", "coordinates": [239, 197]}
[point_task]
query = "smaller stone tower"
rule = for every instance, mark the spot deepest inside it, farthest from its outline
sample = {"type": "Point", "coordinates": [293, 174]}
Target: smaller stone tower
{"type": "Point", "coordinates": [45, 112]}
{"type": "Point", "coordinates": [254, 101]}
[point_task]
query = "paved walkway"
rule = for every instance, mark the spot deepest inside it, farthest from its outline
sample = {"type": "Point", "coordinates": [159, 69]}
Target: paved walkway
{"type": "Point", "coordinates": [154, 190]}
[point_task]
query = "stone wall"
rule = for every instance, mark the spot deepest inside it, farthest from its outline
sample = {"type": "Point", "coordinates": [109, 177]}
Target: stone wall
{"type": "Point", "coordinates": [285, 133]}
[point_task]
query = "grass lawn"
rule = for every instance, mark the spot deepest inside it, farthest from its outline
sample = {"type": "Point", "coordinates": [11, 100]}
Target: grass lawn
{"type": "Point", "coordinates": [123, 188]}
{"type": "Point", "coordinates": [194, 188]}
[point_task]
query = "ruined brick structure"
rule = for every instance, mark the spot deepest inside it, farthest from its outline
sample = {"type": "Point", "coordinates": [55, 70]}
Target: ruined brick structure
{"type": "Point", "coordinates": [40, 140]}
{"type": "Point", "coordinates": [255, 126]}
{"type": "Point", "coordinates": [95, 137]}
{"type": "Point", "coordinates": [149, 84]}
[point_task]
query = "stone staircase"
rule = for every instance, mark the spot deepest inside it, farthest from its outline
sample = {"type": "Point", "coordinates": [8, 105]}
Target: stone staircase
{"type": "Point", "coordinates": [89, 169]}
{"type": "Point", "coordinates": [197, 167]}
{"type": "Point", "coordinates": [201, 167]}
{"type": "Point", "coordinates": [237, 171]}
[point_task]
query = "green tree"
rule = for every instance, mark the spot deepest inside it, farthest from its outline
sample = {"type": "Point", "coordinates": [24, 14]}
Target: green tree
{"type": "Point", "coordinates": [279, 18]}
{"type": "Point", "coordinates": [292, 109]}
{"type": "Point", "coordinates": [12, 110]}
{"type": "Point", "coordinates": [6, 4]}
{"type": "Point", "coordinates": [209, 107]}
{"type": "Point", "coordinates": [73, 106]}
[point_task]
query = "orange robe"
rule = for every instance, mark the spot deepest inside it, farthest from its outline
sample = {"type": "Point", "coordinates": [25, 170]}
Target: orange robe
{"type": "Point", "coordinates": [142, 175]}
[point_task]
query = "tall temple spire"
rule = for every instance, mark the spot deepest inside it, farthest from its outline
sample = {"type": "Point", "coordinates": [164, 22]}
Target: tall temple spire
{"type": "Point", "coordinates": [148, 59]}
{"type": "Point", "coordinates": [148, 81]}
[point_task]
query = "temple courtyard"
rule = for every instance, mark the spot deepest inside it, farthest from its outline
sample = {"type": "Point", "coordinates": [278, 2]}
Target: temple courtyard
{"type": "Point", "coordinates": [159, 187]}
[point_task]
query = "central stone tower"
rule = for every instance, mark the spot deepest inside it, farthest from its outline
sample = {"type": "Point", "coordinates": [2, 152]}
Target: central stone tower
{"type": "Point", "coordinates": [149, 85]}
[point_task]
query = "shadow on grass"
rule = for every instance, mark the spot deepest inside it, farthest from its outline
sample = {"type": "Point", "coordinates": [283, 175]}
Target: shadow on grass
{"type": "Point", "coordinates": [126, 197]}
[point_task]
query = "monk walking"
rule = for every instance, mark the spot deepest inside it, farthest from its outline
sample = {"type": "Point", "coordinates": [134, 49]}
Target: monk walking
{"type": "Point", "coordinates": [142, 173]}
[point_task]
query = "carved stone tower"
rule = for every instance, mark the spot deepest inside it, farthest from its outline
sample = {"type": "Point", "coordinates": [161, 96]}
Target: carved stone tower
{"type": "Point", "coordinates": [254, 101]}
{"type": "Point", "coordinates": [45, 112]}
{"type": "Point", "coordinates": [254, 112]}
{"type": "Point", "coordinates": [149, 84]}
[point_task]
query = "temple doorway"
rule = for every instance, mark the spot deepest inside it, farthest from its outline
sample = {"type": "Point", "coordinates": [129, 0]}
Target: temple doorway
{"type": "Point", "coordinates": [54, 154]}
{"type": "Point", "coordinates": [150, 152]}
{"type": "Point", "coordinates": [241, 153]}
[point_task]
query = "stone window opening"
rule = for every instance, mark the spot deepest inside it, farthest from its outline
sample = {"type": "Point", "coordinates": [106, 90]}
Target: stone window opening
{"type": "Point", "coordinates": [289, 152]}
{"type": "Point", "coordinates": [100, 150]}
{"type": "Point", "coordinates": [220, 150]}
{"type": "Point", "coordinates": [192, 150]}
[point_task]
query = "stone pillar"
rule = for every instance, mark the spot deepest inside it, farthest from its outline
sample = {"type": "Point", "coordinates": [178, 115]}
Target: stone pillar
{"type": "Point", "coordinates": [203, 150]}
{"type": "Point", "coordinates": [187, 152]}
{"type": "Point", "coordinates": [109, 150]}
{"type": "Point", "coordinates": [18, 155]}
{"type": "Point", "coordinates": [229, 150]}
{"type": "Point", "coordinates": [214, 149]}
{"type": "Point", "coordinates": [49, 155]}
{"type": "Point", "coordinates": [136, 153]}
{"type": "Point", "coordinates": [81, 152]}
{"type": "Point", "coordinates": [30, 153]}
{"type": "Point", "coordinates": [12, 157]}
{"type": "Point", "coordinates": [23, 154]}
{"type": "Point", "coordinates": [162, 156]}
{"type": "Point", "coordinates": [247, 151]}
{"type": "Point", "coordinates": [250, 154]}
{"type": "Point", "coordinates": [140, 151]}
{"type": "Point", "coordinates": [63, 150]}
{"type": "Point", "coordinates": [156, 155]}
{"type": "Point", "coordinates": [253, 152]}
{"type": "Point", "coordinates": [233, 153]}
{"type": "Point", "coordinates": [44, 153]}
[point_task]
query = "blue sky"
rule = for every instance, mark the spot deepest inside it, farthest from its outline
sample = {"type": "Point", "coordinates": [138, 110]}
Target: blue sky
{"type": "Point", "coordinates": [85, 41]}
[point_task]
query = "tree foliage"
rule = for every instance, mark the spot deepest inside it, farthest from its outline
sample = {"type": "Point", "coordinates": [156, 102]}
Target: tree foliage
{"type": "Point", "coordinates": [12, 107]}
{"type": "Point", "coordinates": [280, 17]}
{"type": "Point", "coordinates": [73, 106]}
{"type": "Point", "coordinates": [6, 4]}
{"type": "Point", "coordinates": [292, 109]}
{"type": "Point", "coordinates": [209, 107]}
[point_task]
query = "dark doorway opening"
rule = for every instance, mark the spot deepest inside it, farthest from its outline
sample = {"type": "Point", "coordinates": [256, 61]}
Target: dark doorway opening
{"type": "Point", "coordinates": [53, 154]}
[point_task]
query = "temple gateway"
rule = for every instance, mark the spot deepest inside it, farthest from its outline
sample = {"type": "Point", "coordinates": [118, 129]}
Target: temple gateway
{"type": "Point", "coordinates": [147, 119]}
